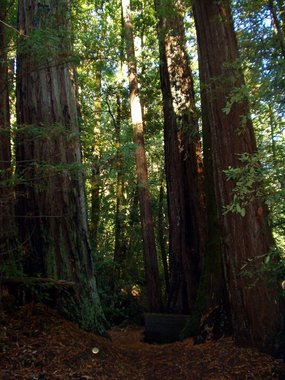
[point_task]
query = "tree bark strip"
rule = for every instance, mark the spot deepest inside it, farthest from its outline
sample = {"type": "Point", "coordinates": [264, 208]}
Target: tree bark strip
{"type": "Point", "coordinates": [95, 172]}
{"type": "Point", "coordinates": [50, 198]}
{"type": "Point", "coordinates": [120, 245]}
{"type": "Point", "coordinates": [184, 168]}
{"type": "Point", "coordinates": [150, 256]}
{"type": "Point", "coordinates": [255, 309]}
{"type": "Point", "coordinates": [162, 235]}
{"type": "Point", "coordinates": [8, 247]}
{"type": "Point", "coordinates": [277, 25]}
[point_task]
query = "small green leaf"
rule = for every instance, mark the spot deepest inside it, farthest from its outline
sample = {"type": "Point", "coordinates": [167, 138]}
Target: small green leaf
{"type": "Point", "coordinates": [267, 259]}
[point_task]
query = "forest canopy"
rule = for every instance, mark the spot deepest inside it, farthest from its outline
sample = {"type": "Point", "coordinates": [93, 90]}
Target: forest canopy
{"type": "Point", "coordinates": [142, 169]}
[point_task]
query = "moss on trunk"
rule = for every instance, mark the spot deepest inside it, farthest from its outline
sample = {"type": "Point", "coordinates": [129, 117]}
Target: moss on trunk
{"type": "Point", "coordinates": [51, 195]}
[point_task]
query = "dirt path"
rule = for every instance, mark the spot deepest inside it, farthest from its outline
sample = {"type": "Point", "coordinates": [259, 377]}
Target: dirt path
{"type": "Point", "coordinates": [183, 360]}
{"type": "Point", "coordinates": [37, 344]}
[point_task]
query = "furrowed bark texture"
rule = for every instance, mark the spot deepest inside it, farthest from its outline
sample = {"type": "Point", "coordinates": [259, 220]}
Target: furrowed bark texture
{"type": "Point", "coordinates": [50, 197]}
{"type": "Point", "coordinates": [255, 309]}
{"type": "Point", "coordinates": [150, 256]}
{"type": "Point", "coordinates": [184, 168]}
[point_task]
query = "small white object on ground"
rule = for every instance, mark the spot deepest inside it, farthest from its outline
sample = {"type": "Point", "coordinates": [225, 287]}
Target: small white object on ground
{"type": "Point", "coordinates": [95, 350]}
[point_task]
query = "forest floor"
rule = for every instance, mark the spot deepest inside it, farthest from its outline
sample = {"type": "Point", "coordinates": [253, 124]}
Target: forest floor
{"type": "Point", "coordinates": [37, 343]}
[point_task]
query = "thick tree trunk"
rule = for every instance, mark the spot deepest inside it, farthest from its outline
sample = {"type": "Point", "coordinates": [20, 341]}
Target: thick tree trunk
{"type": "Point", "coordinates": [212, 291]}
{"type": "Point", "coordinates": [255, 309]}
{"type": "Point", "coordinates": [150, 257]}
{"type": "Point", "coordinates": [50, 198]}
{"type": "Point", "coordinates": [184, 169]}
{"type": "Point", "coordinates": [7, 225]}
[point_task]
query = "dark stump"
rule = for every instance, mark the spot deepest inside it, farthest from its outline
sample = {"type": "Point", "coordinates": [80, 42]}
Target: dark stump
{"type": "Point", "coordinates": [163, 328]}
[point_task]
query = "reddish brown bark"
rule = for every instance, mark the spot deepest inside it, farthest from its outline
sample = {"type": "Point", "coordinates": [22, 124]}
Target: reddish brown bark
{"type": "Point", "coordinates": [162, 234]}
{"type": "Point", "coordinates": [184, 169]}
{"type": "Point", "coordinates": [50, 198]}
{"type": "Point", "coordinates": [150, 256]}
{"type": "Point", "coordinates": [255, 309]}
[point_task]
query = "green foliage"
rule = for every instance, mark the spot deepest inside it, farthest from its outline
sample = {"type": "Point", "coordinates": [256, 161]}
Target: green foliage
{"type": "Point", "coordinates": [260, 177]}
{"type": "Point", "coordinates": [238, 95]}
{"type": "Point", "coordinates": [260, 52]}
{"type": "Point", "coordinates": [83, 309]}
{"type": "Point", "coordinates": [121, 308]}
{"type": "Point", "coordinates": [11, 265]}
{"type": "Point", "coordinates": [103, 85]}
{"type": "Point", "coordinates": [41, 44]}
{"type": "Point", "coordinates": [120, 302]}
{"type": "Point", "coordinates": [262, 174]}
{"type": "Point", "coordinates": [247, 179]}
{"type": "Point", "coordinates": [270, 266]}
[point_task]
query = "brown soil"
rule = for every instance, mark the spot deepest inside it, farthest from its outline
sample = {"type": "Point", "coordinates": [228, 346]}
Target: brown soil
{"type": "Point", "coordinates": [37, 343]}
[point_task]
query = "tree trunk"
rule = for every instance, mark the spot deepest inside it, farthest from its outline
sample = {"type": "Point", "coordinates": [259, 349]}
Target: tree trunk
{"type": "Point", "coordinates": [212, 291]}
{"type": "Point", "coordinates": [281, 9]}
{"type": "Point", "coordinates": [50, 198]}
{"type": "Point", "coordinates": [7, 225]}
{"type": "Point", "coordinates": [255, 309]}
{"type": "Point", "coordinates": [277, 25]}
{"type": "Point", "coordinates": [184, 169]}
{"type": "Point", "coordinates": [95, 172]}
{"type": "Point", "coordinates": [119, 249]}
{"type": "Point", "coordinates": [162, 234]}
{"type": "Point", "coordinates": [150, 257]}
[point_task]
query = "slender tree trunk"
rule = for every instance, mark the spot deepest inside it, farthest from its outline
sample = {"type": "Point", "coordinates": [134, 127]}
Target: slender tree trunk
{"type": "Point", "coordinates": [151, 265]}
{"type": "Point", "coordinates": [281, 7]}
{"type": "Point", "coordinates": [162, 236]}
{"type": "Point", "coordinates": [7, 225]}
{"type": "Point", "coordinates": [119, 249]}
{"type": "Point", "coordinates": [50, 199]}
{"type": "Point", "coordinates": [133, 223]}
{"type": "Point", "coordinates": [184, 169]}
{"type": "Point", "coordinates": [273, 125]}
{"type": "Point", "coordinates": [277, 25]}
{"type": "Point", "coordinates": [95, 203]}
{"type": "Point", "coordinates": [95, 173]}
{"type": "Point", "coordinates": [255, 309]}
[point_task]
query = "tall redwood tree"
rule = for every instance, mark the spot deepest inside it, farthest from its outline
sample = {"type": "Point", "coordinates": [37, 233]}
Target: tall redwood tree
{"type": "Point", "coordinates": [183, 162]}
{"type": "Point", "coordinates": [51, 206]}
{"type": "Point", "coordinates": [255, 309]}
{"type": "Point", "coordinates": [149, 247]}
